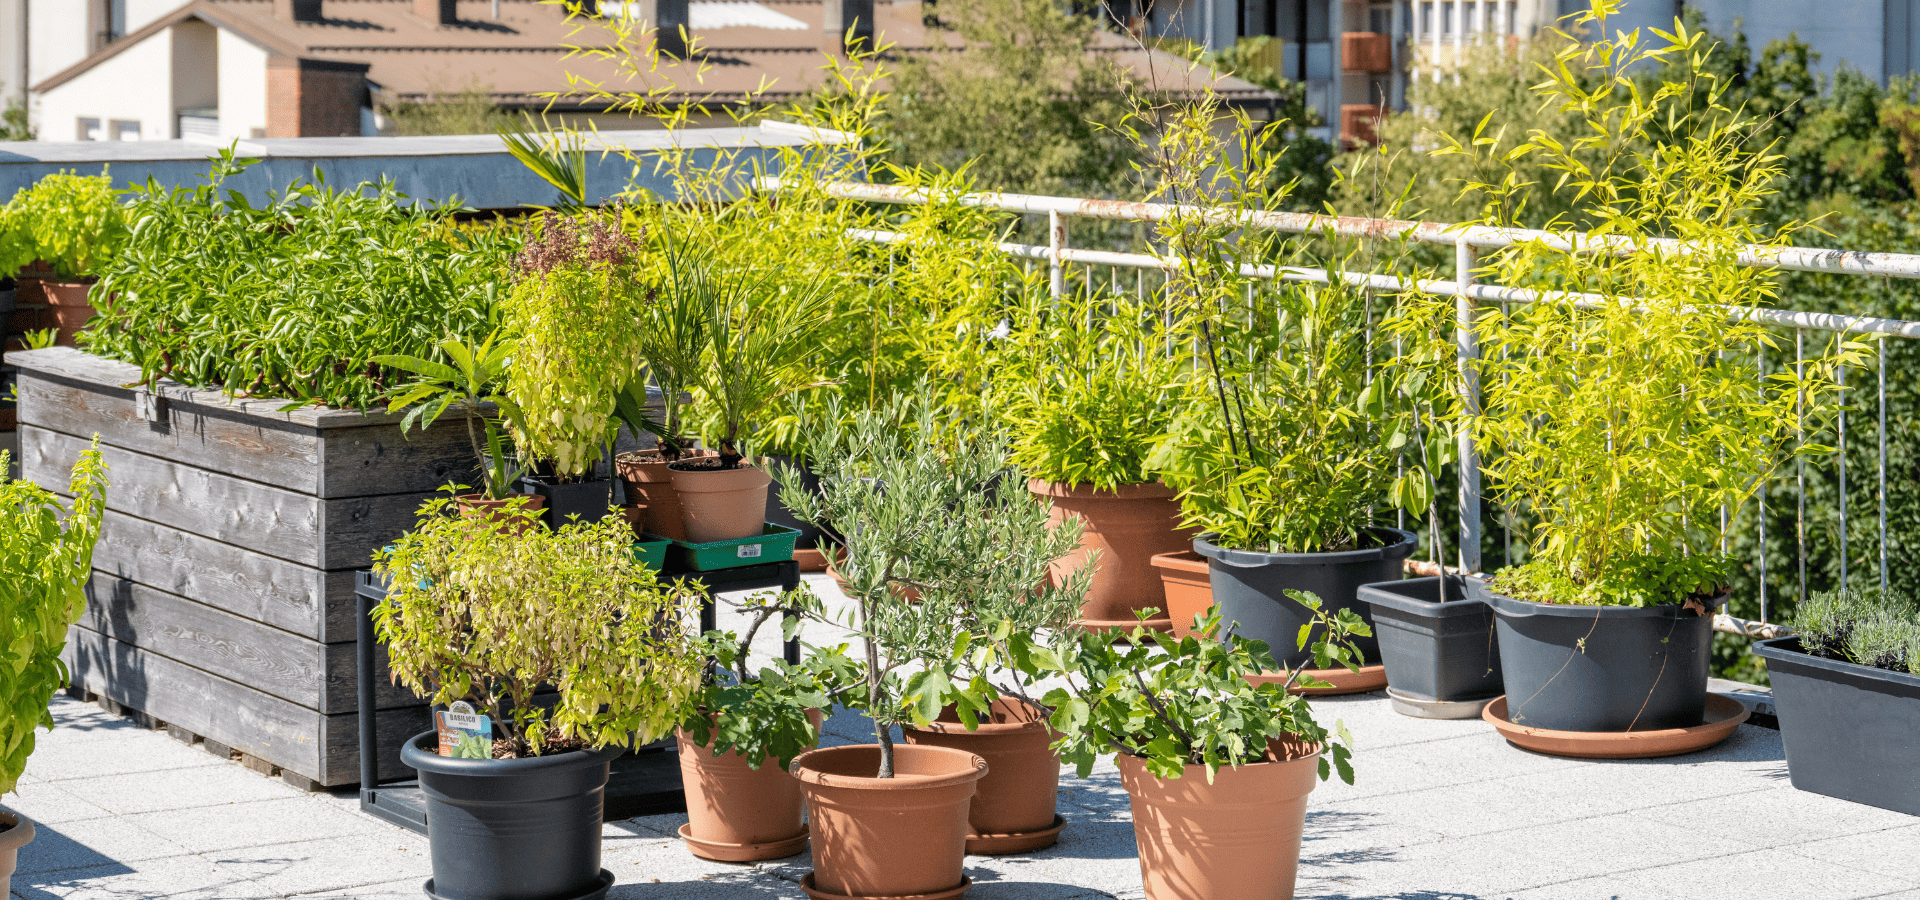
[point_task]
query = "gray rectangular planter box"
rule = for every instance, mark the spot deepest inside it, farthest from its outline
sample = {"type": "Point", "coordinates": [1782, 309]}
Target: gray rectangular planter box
{"type": "Point", "coordinates": [1441, 653]}
{"type": "Point", "coordinates": [1850, 731]}
{"type": "Point", "coordinates": [222, 599]}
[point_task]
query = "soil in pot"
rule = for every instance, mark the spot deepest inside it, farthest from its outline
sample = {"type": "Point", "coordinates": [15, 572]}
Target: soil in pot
{"type": "Point", "coordinates": [1236, 837]}
{"type": "Point", "coordinates": [719, 504]}
{"type": "Point", "coordinates": [71, 306]}
{"type": "Point", "coordinates": [647, 480]}
{"type": "Point", "coordinates": [1188, 588]}
{"type": "Point", "coordinates": [16, 831]}
{"type": "Point", "coordinates": [1127, 528]}
{"type": "Point", "coordinates": [1250, 589]}
{"type": "Point", "coordinates": [513, 829]}
{"type": "Point", "coordinates": [1603, 668]}
{"type": "Point", "coordinates": [1014, 807]}
{"type": "Point", "coordinates": [479, 505]}
{"type": "Point", "coordinates": [1848, 729]}
{"type": "Point", "coordinates": [737, 813]}
{"type": "Point", "coordinates": [903, 836]}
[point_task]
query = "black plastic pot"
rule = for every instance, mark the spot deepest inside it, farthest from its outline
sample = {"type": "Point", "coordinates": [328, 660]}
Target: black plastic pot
{"type": "Point", "coordinates": [777, 511]}
{"type": "Point", "coordinates": [513, 829]}
{"type": "Point", "coordinates": [586, 499]}
{"type": "Point", "coordinates": [1249, 588]}
{"type": "Point", "coordinates": [1436, 648]}
{"type": "Point", "coordinates": [1850, 730]}
{"type": "Point", "coordinates": [1602, 668]}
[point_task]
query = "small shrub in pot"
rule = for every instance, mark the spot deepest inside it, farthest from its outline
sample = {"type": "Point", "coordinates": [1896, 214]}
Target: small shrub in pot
{"type": "Point", "coordinates": [74, 224]}
{"type": "Point", "coordinates": [471, 382]}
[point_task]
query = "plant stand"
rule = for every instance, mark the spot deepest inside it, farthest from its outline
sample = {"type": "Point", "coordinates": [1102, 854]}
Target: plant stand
{"type": "Point", "coordinates": [644, 782]}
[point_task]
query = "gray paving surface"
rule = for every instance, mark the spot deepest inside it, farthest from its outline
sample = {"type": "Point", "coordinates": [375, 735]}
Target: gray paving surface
{"type": "Point", "coordinates": [1440, 811]}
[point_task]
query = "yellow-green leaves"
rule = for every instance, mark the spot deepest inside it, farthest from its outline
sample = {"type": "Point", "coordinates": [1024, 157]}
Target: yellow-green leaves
{"type": "Point", "coordinates": [72, 222]}
{"type": "Point", "coordinates": [46, 557]}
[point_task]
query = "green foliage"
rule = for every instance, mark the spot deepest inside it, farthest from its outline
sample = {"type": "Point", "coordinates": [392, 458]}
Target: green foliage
{"type": "Point", "coordinates": [74, 223]}
{"type": "Point", "coordinates": [763, 715]}
{"type": "Point", "coordinates": [472, 381]}
{"type": "Point", "coordinates": [468, 110]}
{"type": "Point", "coordinates": [1866, 628]}
{"type": "Point", "coordinates": [293, 298]}
{"type": "Point", "coordinates": [924, 515]}
{"type": "Point", "coordinates": [46, 558]}
{"type": "Point", "coordinates": [1622, 415]}
{"type": "Point", "coordinates": [15, 124]}
{"type": "Point", "coordinates": [1182, 702]}
{"type": "Point", "coordinates": [559, 158]}
{"type": "Point", "coordinates": [572, 314]}
{"type": "Point", "coordinates": [489, 610]}
{"type": "Point", "coordinates": [1086, 384]}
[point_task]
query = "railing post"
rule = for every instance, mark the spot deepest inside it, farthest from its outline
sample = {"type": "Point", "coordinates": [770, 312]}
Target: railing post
{"type": "Point", "coordinates": [1467, 356]}
{"type": "Point", "coordinates": [1056, 242]}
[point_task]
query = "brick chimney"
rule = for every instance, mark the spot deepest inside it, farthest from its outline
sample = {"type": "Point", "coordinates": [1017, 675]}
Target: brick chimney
{"type": "Point", "coordinates": [668, 22]}
{"type": "Point", "coordinates": [439, 12]}
{"type": "Point", "coordinates": [297, 10]}
{"type": "Point", "coordinates": [844, 14]}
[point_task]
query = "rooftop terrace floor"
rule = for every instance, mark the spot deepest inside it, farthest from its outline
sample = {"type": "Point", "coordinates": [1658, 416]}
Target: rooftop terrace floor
{"type": "Point", "coordinates": [1441, 810]}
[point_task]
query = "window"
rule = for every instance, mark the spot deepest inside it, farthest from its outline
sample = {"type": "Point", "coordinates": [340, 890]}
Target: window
{"type": "Point", "coordinates": [126, 129]}
{"type": "Point", "coordinates": [86, 129]}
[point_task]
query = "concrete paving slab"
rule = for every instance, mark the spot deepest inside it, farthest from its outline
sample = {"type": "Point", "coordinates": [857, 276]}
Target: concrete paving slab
{"type": "Point", "coordinates": [1518, 859]}
{"type": "Point", "coordinates": [90, 843]}
{"type": "Point", "coordinates": [50, 804]}
{"type": "Point", "coordinates": [1781, 816]}
{"type": "Point", "coordinates": [365, 860]}
{"type": "Point", "coordinates": [178, 789]}
{"type": "Point", "coordinates": [1760, 875]}
{"type": "Point", "coordinates": [56, 761]}
{"type": "Point", "coordinates": [175, 878]}
{"type": "Point", "coordinates": [230, 826]}
{"type": "Point", "coordinates": [1894, 852]}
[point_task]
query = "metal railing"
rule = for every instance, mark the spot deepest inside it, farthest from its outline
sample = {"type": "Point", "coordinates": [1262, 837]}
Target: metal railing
{"type": "Point", "coordinates": [1467, 243]}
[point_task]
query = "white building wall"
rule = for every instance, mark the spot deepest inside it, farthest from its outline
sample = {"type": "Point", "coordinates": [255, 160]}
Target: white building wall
{"type": "Point", "coordinates": [13, 50]}
{"type": "Point", "coordinates": [243, 88]}
{"type": "Point", "coordinates": [140, 12]}
{"type": "Point", "coordinates": [134, 86]}
{"type": "Point", "coordinates": [58, 35]}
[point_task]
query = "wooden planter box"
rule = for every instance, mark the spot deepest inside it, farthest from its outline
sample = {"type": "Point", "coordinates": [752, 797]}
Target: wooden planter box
{"type": "Point", "coordinates": [222, 599]}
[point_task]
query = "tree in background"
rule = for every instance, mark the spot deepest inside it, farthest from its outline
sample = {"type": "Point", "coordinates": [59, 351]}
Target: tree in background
{"type": "Point", "coordinates": [14, 125]}
{"type": "Point", "coordinates": [469, 110]}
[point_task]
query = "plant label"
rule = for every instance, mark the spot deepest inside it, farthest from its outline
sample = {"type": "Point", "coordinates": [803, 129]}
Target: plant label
{"type": "Point", "coordinates": [464, 734]}
{"type": "Point", "coordinates": [748, 551]}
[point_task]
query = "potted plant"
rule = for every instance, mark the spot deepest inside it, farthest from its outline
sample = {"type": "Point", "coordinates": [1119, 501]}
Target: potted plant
{"type": "Point", "coordinates": [745, 729]}
{"type": "Point", "coordinates": [1847, 692]}
{"type": "Point", "coordinates": [673, 337]}
{"type": "Point", "coordinates": [485, 617]}
{"type": "Point", "coordinates": [1623, 415]}
{"type": "Point", "coordinates": [1285, 456]}
{"type": "Point", "coordinates": [1085, 386]}
{"type": "Point", "coordinates": [891, 820]}
{"type": "Point", "coordinates": [470, 381]}
{"type": "Point", "coordinates": [759, 321]}
{"type": "Point", "coordinates": [1217, 765]}
{"type": "Point", "coordinates": [572, 315]}
{"type": "Point", "coordinates": [1438, 644]}
{"type": "Point", "coordinates": [46, 558]}
{"type": "Point", "coordinates": [73, 224]}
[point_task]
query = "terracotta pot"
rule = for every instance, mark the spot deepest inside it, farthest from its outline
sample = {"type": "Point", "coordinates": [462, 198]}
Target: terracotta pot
{"type": "Point", "coordinates": [903, 836]}
{"type": "Point", "coordinates": [1188, 588]}
{"type": "Point", "coordinates": [492, 510]}
{"type": "Point", "coordinates": [904, 592]}
{"type": "Point", "coordinates": [649, 481]}
{"type": "Point", "coordinates": [1236, 837]}
{"type": "Point", "coordinates": [737, 813]}
{"type": "Point", "coordinates": [70, 305]}
{"type": "Point", "coordinates": [18, 833]}
{"type": "Point", "coordinates": [636, 516]}
{"type": "Point", "coordinates": [722, 504]}
{"type": "Point", "coordinates": [1127, 527]}
{"type": "Point", "coordinates": [1014, 805]}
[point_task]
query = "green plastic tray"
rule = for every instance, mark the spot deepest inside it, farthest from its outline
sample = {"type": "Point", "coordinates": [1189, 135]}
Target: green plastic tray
{"type": "Point", "coordinates": [774, 544]}
{"type": "Point", "coordinates": [651, 550]}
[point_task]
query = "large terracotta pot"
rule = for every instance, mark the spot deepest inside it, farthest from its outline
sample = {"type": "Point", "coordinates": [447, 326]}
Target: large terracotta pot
{"type": "Point", "coordinates": [71, 307]}
{"type": "Point", "coordinates": [1237, 837]}
{"type": "Point", "coordinates": [1127, 527]}
{"type": "Point", "coordinates": [903, 836]}
{"type": "Point", "coordinates": [649, 481]}
{"type": "Point", "coordinates": [721, 504]}
{"type": "Point", "coordinates": [1014, 805]}
{"type": "Point", "coordinates": [737, 813]}
{"type": "Point", "coordinates": [16, 831]}
{"type": "Point", "coordinates": [1188, 588]}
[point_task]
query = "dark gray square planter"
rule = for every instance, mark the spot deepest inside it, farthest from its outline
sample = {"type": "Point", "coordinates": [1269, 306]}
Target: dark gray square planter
{"type": "Point", "coordinates": [1441, 654]}
{"type": "Point", "coordinates": [1851, 731]}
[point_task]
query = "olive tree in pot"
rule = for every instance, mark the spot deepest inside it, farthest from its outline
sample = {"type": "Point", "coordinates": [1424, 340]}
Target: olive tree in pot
{"type": "Point", "coordinates": [46, 558]}
{"type": "Point", "coordinates": [1085, 385]}
{"type": "Point", "coordinates": [760, 321]}
{"type": "Point", "coordinates": [892, 820]}
{"type": "Point", "coordinates": [1847, 691]}
{"type": "Point", "coordinates": [1217, 766]}
{"type": "Point", "coordinates": [1622, 415]}
{"type": "Point", "coordinates": [489, 616]}
{"type": "Point", "coordinates": [744, 731]}
{"type": "Point", "coordinates": [73, 224]}
{"type": "Point", "coordinates": [572, 316]}
{"type": "Point", "coordinates": [471, 382]}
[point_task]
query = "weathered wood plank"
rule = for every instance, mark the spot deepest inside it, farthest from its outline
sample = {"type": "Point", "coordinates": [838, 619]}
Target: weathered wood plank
{"type": "Point", "coordinates": [228, 714]}
{"type": "Point", "coordinates": [280, 593]}
{"type": "Point", "coordinates": [78, 366]}
{"type": "Point", "coordinates": [285, 665]}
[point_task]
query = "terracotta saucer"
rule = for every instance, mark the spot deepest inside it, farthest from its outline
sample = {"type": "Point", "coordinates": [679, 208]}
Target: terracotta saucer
{"type": "Point", "coordinates": [1723, 715]}
{"type": "Point", "coordinates": [1344, 680]}
{"type": "Point", "coordinates": [719, 852]}
{"type": "Point", "coordinates": [999, 844]}
{"type": "Point", "coordinates": [806, 884]}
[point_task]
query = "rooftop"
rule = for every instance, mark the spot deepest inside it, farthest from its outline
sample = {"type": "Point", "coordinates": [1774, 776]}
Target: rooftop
{"type": "Point", "coordinates": [1441, 810]}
